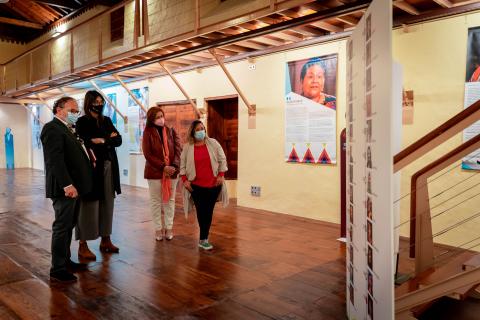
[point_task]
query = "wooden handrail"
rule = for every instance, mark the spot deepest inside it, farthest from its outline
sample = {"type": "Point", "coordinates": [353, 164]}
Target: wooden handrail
{"type": "Point", "coordinates": [421, 242]}
{"type": "Point", "coordinates": [405, 303]}
{"type": "Point", "coordinates": [445, 131]}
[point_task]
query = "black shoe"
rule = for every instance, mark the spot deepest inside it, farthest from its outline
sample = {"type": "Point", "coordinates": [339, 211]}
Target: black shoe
{"type": "Point", "coordinates": [75, 267]}
{"type": "Point", "coordinates": [63, 276]}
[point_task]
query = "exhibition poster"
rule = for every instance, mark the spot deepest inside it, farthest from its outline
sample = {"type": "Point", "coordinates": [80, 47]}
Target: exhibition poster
{"type": "Point", "coordinates": [310, 110]}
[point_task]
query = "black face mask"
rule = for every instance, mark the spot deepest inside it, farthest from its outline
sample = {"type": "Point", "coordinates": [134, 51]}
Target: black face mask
{"type": "Point", "coordinates": [97, 109]}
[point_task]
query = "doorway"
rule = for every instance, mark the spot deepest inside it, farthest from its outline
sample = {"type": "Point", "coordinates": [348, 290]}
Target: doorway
{"type": "Point", "coordinates": [222, 124]}
{"type": "Point", "coordinates": [179, 115]}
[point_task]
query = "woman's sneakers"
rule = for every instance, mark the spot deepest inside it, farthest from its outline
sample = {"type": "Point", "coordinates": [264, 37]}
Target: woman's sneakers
{"type": "Point", "coordinates": [205, 245]}
{"type": "Point", "coordinates": [159, 234]}
{"type": "Point", "coordinates": [169, 234]}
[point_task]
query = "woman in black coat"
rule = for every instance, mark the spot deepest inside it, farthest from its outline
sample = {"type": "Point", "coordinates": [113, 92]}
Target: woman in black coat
{"type": "Point", "coordinates": [96, 209]}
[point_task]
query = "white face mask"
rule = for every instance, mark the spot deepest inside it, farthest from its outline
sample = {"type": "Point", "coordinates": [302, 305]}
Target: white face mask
{"type": "Point", "coordinates": [160, 122]}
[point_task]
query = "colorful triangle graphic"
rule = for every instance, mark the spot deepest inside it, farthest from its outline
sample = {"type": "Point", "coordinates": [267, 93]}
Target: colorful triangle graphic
{"type": "Point", "coordinates": [293, 157]}
{"type": "Point", "coordinates": [324, 158]}
{"type": "Point", "coordinates": [308, 157]}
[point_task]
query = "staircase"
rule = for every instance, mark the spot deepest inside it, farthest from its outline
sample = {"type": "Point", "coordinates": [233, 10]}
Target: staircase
{"type": "Point", "coordinates": [445, 279]}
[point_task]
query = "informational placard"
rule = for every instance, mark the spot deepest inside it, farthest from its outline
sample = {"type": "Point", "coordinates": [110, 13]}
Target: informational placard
{"type": "Point", "coordinates": [137, 119]}
{"type": "Point", "coordinates": [310, 110]}
{"type": "Point", "coordinates": [370, 249]}
{"type": "Point", "coordinates": [109, 111]}
{"type": "Point", "coordinates": [36, 127]}
{"type": "Point", "coordinates": [472, 94]}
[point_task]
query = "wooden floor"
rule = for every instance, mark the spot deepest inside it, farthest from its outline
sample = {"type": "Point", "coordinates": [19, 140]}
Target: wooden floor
{"type": "Point", "coordinates": [264, 265]}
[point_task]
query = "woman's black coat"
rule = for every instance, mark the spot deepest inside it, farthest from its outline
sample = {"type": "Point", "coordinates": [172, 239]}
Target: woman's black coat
{"type": "Point", "coordinates": [88, 128]}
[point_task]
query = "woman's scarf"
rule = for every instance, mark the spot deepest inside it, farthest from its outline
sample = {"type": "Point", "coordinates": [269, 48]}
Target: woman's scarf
{"type": "Point", "coordinates": [166, 184]}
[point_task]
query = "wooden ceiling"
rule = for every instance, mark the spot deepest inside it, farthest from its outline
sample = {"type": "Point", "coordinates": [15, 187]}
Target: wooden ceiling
{"type": "Point", "coordinates": [24, 20]}
{"type": "Point", "coordinates": [309, 23]}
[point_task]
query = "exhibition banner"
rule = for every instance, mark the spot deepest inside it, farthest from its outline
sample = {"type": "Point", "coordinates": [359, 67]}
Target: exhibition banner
{"type": "Point", "coordinates": [472, 94]}
{"type": "Point", "coordinates": [310, 110]}
{"type": "Point", "coordinates": [36, 127]}
{"type": "Point", "coordinates": [137, 119]}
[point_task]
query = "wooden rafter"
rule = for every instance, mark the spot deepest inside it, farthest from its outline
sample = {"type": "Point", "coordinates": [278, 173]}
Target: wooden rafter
{"type": "Point", "coordinates": [327, 26]}
{"type": "Point", "coordinates": [348, 20]}
{"type": "Point", "coordinates": [407, 7]}
{"type": "Point", "coordinates": [444, 3]}
{"type": "Point", "coordinates": [21, 23]}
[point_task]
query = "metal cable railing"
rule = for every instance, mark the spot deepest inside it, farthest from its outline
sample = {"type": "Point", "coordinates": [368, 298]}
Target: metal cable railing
{"type": "Point", "coordinates": [453, 167]}
{"type": "Point", "coordinates": [445, 201]}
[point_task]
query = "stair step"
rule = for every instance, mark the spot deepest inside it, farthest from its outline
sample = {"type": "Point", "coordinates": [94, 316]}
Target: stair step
{"type": "Point", "coordinates": [448, 309]}
{"type": "Point", "coordinates": [472, 263]}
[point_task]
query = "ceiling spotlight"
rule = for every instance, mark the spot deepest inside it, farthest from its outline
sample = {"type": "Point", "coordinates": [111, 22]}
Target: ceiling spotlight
{"type": "Point", "coordinates": [55, 34]}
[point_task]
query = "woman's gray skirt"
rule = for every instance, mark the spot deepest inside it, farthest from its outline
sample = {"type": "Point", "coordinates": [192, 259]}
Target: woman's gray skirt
{"type": "Point", "coordinates": [95, 217]}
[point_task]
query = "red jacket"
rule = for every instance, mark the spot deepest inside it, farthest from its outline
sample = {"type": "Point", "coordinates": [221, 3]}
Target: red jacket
{"type": "Point", "coordinates": [153, 152]}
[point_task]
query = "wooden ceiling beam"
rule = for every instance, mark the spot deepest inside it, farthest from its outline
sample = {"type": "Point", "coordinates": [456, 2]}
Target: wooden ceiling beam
{"type": "Point", "coordinates": [464, 3]}
{"type": "Point", "coordinates": [309, 31]}
{"type": "Point", "coordinates": [327, 26]}
{"type": "Point", "coordinates": [444, 3]}
{"type": "Point", "coordinates": [20, 9]}
{"type": "Point", "coordinates": [238, 48]}
{"type": "Point", "coordinates": [289, 35]}
{"type": "Point", "coordinates": [348, 20]}
{"type": "Point", "coordinates": [65, 4]}
{"type": "Point", "coordinates": [35, 10]}
{"type": "Point", "coordinates": [253, 44]}
{"type": "Point", "coordinates": [407, 7]}
{"type": "Point", "coordinates": [21, 23]}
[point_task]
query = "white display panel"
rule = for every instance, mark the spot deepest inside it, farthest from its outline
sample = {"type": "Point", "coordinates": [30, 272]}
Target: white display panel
{"type": "Point", "coordinates": [370, 253]}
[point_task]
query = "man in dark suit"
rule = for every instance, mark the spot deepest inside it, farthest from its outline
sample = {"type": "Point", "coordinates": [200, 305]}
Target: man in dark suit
{"type": "Point", "coordinates": [68, 176]}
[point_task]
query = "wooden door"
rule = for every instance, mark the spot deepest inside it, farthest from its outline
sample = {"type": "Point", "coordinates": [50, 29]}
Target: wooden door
{"type": "Point", "coordinates": [179, 116]}
{"type": "Point", "coordinates": [222, 120]}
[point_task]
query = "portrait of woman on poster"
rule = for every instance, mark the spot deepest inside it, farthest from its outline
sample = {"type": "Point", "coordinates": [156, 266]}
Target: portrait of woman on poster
{"type": "Point", "coordinates": [312, 78]}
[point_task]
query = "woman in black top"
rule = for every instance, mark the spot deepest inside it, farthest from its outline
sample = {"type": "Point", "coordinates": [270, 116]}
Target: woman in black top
{"type": "Point", "coordinates": [96, 209]}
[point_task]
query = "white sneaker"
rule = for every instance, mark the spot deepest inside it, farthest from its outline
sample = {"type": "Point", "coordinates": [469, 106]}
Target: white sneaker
{"type": "Point", "coordinates": [159, 235]}
{"type": "Point", "coordinates": [205, 245]}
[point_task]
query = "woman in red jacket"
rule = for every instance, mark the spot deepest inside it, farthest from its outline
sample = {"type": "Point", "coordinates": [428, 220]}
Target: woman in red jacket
{"type": "Point", "coordinates": [162, 149]}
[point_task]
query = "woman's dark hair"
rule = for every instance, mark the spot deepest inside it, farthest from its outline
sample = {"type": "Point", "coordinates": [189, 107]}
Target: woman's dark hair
{"type": "Point", "coordinates": [152, 114]}
{"type": "Point", "coordinates": [311, 63]}
{"type": "Point", "coordinates": [90, 99]}
{"type": "Point", "coordinates": [191, 131]}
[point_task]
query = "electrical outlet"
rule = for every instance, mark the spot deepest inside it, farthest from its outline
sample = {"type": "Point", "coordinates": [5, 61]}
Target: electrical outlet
{"type": "Point", "coordinates": [252, 67]}
{"type": "Point", "coordinates": [125, 172]}
{"type": "Point", "coordinates": [255, 191]}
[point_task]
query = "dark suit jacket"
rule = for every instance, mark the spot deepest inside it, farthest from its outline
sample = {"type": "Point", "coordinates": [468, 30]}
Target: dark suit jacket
{"type": "Point", "coordinates": [88, 128]}
{"type": "Point", "coordinates": [65, 161]}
